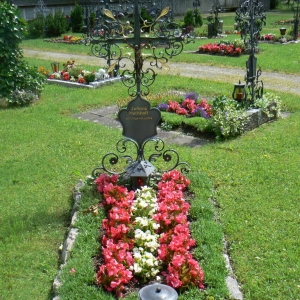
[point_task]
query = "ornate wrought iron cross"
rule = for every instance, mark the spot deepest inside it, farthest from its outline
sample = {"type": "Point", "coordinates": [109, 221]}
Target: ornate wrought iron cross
{"type": "Point", "coordinates": [296, 10]}
{"type": "Point", "coordinates": [149, 36]}
{"type": "Point", "coordinates": [250, 17]}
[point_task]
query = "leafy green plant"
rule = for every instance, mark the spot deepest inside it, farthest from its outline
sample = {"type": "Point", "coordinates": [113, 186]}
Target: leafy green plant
{"type": "Point", "coordinates": [166, 126]}
{"type": "Point", "coordinates": [89, 77]}
{"type": "Point", "coordinates": [36, 27]}
{"type": "Point", "coordinates": [189, 18]}
{"type": "Point", "coordinates": [75, 71]}
{"type": "Point", "coordinates": [270, 104]}
{"type": "Point", "coordinates": [198, 18]}
{"type": "Point", "coordinates": [21, 97]}
{"type": "Point", "coordinates": [173, 119]}
{"type": "Point", "coordinates": [199, 124]}
{"type": "Point", "coordinates": [228, 119]}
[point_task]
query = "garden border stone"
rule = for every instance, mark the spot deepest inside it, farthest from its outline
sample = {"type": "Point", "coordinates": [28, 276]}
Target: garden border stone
{"type": "Point", "coordinates": [91, 85]}
{"type": "Point", "coordinates": [69, 241]}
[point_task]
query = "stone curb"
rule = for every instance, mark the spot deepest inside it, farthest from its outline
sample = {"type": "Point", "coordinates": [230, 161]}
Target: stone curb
{"type": "Point", "coordinates": [91, 85]}
{"type": "Point", "coordinates": [69, 241]}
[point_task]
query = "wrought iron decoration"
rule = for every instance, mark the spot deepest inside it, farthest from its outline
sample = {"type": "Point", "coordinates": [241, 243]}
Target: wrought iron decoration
{"type": "Point", "coordinates": [296, 10]}
{"type": "Point", "coordinates": [128, 36]}
{"type": "Point", "coordinates": [250, 17]}
{"type": "Point", "coordinates": [213, 19]}
{"type": "Point", "coordinates": [148, 34]}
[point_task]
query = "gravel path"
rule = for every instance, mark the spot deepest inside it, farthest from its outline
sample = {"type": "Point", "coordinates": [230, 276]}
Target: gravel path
{"type": "Point", "coordinates": [272, 81]}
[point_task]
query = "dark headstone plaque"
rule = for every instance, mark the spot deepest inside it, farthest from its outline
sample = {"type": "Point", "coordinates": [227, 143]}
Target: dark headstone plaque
{"type": "Point", "coordinates": [139, 120]}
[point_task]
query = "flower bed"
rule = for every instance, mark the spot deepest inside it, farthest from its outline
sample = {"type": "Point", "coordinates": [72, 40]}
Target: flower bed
{"type": "Point", "coordinates": [146, 235]}
{"type": "Point", "coordinates": [234, 48]}
{"type": "Point", "coordinates": [271, 37]}
{"type": "Point", "coordinates": [75, 76]}
{"type": "Point", "coordinates": [67, 39]}
{"type": "Point", "coordinates": [222, 117]}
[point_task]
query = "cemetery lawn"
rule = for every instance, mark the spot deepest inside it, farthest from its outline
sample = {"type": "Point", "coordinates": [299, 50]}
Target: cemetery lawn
{"type": "Point", "coordinates": [253, 179]}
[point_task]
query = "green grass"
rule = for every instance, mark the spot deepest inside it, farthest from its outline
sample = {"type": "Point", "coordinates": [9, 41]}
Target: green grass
{"type": "Point", "coordinates": [265, 58]}
{"type": "Point", "coordinates": [255, 181]}
{"type": "Point", "coordinates": [44, 153]}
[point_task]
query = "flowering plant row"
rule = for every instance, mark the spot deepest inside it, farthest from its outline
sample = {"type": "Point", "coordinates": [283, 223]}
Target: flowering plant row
{"type": "Point", "coordinates": [189, 107]}
{"type": "Point", "coordinates": [223, 48]}
{"type": "Point", "coordinates": [147, 235]}
{"type": "Point", "coordinates": [271, 37]}
{"type": "Point", "coordinates": [67, 39]}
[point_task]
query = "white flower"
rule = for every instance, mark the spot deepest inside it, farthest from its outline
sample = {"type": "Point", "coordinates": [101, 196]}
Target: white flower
{"type": "Point", "coordinates": [137, 268]}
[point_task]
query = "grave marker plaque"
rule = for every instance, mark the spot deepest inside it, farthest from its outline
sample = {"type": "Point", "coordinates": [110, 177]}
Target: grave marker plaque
{"type": "Point", "coordinates": [139, 120]}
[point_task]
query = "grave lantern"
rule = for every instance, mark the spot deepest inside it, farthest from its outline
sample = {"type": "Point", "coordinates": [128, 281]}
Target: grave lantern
{"type": "Point", "coordinates": [239, 92]}
{"type": "Point", "coordinates": [282, 30]}
{"type": "Point", "coordinates": [157, 291]}
{"type": "Point", "coordinates": [139, 172]}
{"type": "Point", "coordinates": [55, 67]}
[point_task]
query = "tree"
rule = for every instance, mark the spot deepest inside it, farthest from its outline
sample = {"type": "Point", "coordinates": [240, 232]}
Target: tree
{"type": "Point", "coordinates": [77, 18]}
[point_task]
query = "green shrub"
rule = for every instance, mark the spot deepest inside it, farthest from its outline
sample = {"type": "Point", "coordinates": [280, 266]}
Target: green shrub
{"type": "Point", "coordinates": [56, 24]}
{"type": "Point", "coordinates": [198, 18]}
{"type": "Point", "coordinates": [35, 27]}
{"type": "Point", "coordinates": [89, 77]}
{"type": "Point", "coordinates": [75, 71]}
{"type": "Point", "coordinates": [274, 4]}
{"type": "Point", "coordinates": [92, 20]}
{"type": "Point", "coordinates": [17, 80]}
{"type": "Point", "coordinates": [49, 26]}
{"type": "Point", "coordinates": [193, 18]}
{"type": "Point", "coordinates": [269, 104]}
{"type": "Point", "coordinates": [77, 18]}
{"type": "Point", "coordinates": [189, 18]}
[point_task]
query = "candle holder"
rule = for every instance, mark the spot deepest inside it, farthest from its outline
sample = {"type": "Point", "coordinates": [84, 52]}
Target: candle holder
{"type": "Point", "coordinates": [55, 67]}
{"type": "Point", "coordinates": [282, 31]}
{"type": "Point", "coordinates": [239, 92]}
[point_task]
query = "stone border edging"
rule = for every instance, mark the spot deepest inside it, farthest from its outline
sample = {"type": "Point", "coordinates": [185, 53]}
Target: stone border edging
{"type": "Point", "coordinates": [91, 85]}
{"type": "Point", "coordinates": [69, 241]}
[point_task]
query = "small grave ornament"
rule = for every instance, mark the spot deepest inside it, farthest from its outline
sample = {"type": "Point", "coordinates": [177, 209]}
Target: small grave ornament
{"type": "Point", "coordinates": [55, 67]}
{"type": "Point", "coordinates": [282, 31]}
{"type": "Point", "coordinates": [157, 291]}
{"type": "Point", "coordinates": [139, 172]}
{"type": "Point", "coordinates": [239, 92]}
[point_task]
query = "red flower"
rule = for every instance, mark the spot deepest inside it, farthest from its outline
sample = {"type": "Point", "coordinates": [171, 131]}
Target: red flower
{"type": "Point", "coordinates": [81, 80]}
{"type": "Point", "coordinates": [173, 106]}
{"type": "Point", "coordinates": [190, 105]}
{"type": "Point", "coordinates": [175, 239]}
